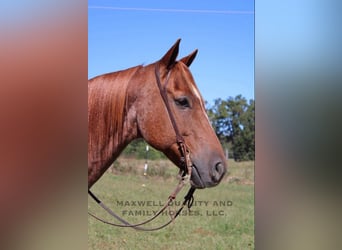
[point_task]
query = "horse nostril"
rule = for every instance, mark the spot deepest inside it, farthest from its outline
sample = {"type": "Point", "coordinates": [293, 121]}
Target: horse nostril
{"type": "Point", "coordinates": [218, 172]}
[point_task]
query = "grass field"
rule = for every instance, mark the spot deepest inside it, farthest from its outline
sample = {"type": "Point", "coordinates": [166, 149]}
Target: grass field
{"type": "Point", "coordinates": [221, 217]}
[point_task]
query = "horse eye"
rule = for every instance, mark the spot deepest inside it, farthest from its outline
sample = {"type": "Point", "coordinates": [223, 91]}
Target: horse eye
{"type": "Point", "coordinates": [183, 102]}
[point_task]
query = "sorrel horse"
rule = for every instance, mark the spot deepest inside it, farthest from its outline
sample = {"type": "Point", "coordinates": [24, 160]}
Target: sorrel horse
{"type": "Point", "coordinates": [128, 104]}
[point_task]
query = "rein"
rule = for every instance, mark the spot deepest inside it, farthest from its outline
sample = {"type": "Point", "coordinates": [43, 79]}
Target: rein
{"type": "Point", "coordinates": [185, 177]}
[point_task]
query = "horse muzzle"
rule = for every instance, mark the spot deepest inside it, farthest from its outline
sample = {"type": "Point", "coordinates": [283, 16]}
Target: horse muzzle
{"type": "Point", "coordinates": [204, 179]}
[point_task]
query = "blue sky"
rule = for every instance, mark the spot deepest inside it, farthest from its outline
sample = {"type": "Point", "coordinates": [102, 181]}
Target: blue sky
{"type": "Point", "coordinates": [126, 33]}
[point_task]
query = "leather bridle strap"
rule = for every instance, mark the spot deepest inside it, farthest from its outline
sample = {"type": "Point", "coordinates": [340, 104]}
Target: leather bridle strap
{"type": "Point", "coordinates": [163, 93]}
{"type": "Point", "coordinates": [185, 153]}
{"type": "Point", "coordinates": [188, 200]}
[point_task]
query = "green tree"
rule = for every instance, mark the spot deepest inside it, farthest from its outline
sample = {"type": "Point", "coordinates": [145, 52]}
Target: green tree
{"type": "Point", "coordinates": [233, 122]}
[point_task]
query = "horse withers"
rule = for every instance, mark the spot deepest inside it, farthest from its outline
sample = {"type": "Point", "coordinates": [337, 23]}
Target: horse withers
{"type": "Point", "coordinates": [161, 103]}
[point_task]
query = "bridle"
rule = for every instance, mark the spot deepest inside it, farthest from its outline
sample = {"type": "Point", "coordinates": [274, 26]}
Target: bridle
{"type": "Point", "coordinates": [183, 149]}
{"type": "Point", "coordinates": [185, 172]}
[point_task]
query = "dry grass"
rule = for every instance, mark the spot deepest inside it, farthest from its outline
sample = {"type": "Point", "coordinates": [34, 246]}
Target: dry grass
{"type": "Point", "coordinates": [238, 172]}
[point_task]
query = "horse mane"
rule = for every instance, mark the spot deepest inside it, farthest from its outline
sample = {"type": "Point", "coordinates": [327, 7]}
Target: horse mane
{"type": "Point", "coordinates": [106, 111]}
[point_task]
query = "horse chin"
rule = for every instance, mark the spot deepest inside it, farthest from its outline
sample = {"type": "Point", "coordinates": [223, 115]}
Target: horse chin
{"type": "Point", "coordinates": [196, 180]}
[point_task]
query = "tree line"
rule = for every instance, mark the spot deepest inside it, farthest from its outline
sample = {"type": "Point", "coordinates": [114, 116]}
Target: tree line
{"type": "Point", "coordinates": [233, 120]}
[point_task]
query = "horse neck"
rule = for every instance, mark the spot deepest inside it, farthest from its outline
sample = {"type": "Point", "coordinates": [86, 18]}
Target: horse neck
{"type": "Point", "coordinates": [111, 120]}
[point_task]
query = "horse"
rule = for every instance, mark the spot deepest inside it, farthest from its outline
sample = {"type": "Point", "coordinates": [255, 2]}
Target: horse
{"type": "Point", "coordinates": [160, 103]}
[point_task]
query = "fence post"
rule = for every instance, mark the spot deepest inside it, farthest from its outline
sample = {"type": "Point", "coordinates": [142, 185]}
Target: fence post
{"type": "Point", "coordinates": [146, 157]}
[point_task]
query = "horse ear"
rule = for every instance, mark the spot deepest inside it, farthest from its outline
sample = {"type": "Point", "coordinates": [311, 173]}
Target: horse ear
{"type": "Point", "coordinates": [169, 59]}
{"type": "Point", "coordinates": [188, 59]}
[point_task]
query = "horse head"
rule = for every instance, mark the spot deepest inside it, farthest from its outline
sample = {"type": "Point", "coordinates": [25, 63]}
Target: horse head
{"type": "Point", "coordinates": [187, 107]}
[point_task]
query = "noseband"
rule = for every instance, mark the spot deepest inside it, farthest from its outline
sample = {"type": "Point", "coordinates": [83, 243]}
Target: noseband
{"type": "Point", "coordinates": [185, 166]}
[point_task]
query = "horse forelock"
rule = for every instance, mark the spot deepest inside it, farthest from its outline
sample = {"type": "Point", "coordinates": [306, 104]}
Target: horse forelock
{"type": "Point", "coordinates": [189, 80]}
